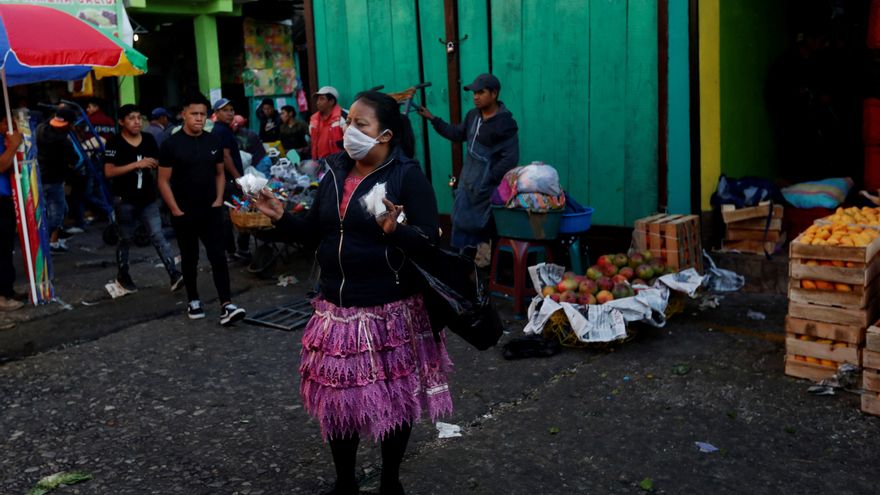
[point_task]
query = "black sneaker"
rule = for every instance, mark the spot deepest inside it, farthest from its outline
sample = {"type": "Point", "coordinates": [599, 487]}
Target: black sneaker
{"type": "Point", "coordinates": [231, 314]}
{"type": "Point", "coordinates": [244, 256]}
{"type": "Point", "coordinates": [176, 282]}
{"type": "Point", "coordinates": [194, 310]}
{"type": "Point", "coordinates": [125, 281]}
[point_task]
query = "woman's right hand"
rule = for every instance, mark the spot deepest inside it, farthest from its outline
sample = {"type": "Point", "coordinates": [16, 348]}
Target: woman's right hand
{"type": "Point", "coordinates": [268, 204]}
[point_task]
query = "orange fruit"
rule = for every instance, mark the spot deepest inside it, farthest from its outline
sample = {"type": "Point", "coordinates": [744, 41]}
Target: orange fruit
{"type": "Point", "coordinates": [813, 360]}
{"type": "Point", "coordinates": [843, 287]}
{"type": "Point", "coordinates": [805, 337]}
{"type": "Point", "coordinates": [808, 284]}
{"type": "Point", "coordinates": [825, 341]}
{"type": "Point", "coordinates": [800, 358]}
{"type": "Point", "coordinates": [850, 264]}
{"type": "Point", "coordinates": [828, 362]}
{"type": "Point", "coordinates": [823, 285]}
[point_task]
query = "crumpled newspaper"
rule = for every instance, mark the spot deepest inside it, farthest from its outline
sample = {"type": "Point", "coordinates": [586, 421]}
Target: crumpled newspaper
{"type": "Point", "coordinates": [251, 184]}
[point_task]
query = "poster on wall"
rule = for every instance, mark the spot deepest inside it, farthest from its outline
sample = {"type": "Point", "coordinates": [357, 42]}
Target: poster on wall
{"type": "Point", "coordinates": [103, 14]}
{"type": "Point", "coordinates": [268, 45]}
{"type": "Point", "coordinates": [267, 82]}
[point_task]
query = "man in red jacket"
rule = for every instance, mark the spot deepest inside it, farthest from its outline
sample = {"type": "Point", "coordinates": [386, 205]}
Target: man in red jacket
{"type": "Point", "coordinates": [327, 125]}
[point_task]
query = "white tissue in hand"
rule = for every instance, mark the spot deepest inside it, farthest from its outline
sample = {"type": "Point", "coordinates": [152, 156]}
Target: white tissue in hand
{"type": "Point", "coordinates": [251, 184]}
{"type": "Point", "coordinates": [372, 201]}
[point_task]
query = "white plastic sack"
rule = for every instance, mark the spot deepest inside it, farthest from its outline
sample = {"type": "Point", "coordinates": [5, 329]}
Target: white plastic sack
{"type": "Point", "coordinates": [538, 177]}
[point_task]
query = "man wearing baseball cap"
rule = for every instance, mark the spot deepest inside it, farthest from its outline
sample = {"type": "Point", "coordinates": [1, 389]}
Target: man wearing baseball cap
{"type": "Point", "coordinates": [492, 150]}
{"type": "Point", "coordinates": [159, 120]}
{"type": "Point", "coordinates": [327, 125]}
{"type": "Point", "coordinates": [224, 112]}
{"type": "Point", "coordinates": [56, 157]}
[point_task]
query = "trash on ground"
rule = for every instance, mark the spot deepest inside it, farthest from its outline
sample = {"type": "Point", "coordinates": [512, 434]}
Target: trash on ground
{"type": "Point", "coordinates": [64, 305]}
{"type": "Point", "coordinates": [721, 280]}
{"type": "Point", "coordinates": [710, 301]}
{"type": "Point", "coordinates": [554, 430]}
{"type": "Point", "coordinates": [706, 447]}
{"type": "Point", "coordinates": [647, 484]}
{"type": "Point", "coordinates": [681, 369]}
{"type": "Point", "coordinates": [446, 430]}
{"type": "Point", "coordinates": [847, 376]}
{"type": "Point", "coordinates": [115, 290]}
{"type": "Point", "coordinates": [756, 315]}
{"type": "Point", "coordinates": [285, 280]}
{"type": "Point", "coordinates": [89, 303]}
{"type": "Point", "coordinates": [53, 481]}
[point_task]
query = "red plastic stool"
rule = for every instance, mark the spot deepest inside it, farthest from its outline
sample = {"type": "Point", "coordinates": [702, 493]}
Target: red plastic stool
{"type": "Point", "coordinates": [520, 250]}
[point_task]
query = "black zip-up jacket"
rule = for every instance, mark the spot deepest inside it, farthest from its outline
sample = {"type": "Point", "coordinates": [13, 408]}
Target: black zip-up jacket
{"type": "Point", "coordinates": [360, 265]}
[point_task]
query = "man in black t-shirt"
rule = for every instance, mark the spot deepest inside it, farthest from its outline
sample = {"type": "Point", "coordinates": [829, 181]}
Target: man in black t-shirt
{"type": "Point", "coordinates": [129, 159]}
{"type": "Point", "coordinates": [191, 181]}
{"type": "Point", "coordinates": [225, 113]}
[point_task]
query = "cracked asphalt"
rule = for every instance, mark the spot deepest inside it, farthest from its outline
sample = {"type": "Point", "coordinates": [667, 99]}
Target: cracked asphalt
{"type": "Point", "coordinates": [148, 402]}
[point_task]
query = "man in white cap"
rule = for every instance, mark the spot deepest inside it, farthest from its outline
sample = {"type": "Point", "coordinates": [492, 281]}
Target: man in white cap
{"type": "Point", "coordinates": [327, 125]}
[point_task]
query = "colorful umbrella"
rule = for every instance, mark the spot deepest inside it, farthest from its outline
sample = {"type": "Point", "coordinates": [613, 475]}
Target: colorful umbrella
{"type": "Point", "coordinates": [39, 43]}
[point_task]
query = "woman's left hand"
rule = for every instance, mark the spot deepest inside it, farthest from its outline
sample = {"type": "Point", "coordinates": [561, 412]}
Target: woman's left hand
{"type": "Point", "coordinates": [388, 220]}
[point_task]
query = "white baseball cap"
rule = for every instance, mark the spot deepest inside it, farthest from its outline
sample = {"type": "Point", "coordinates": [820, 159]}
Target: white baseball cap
{"type": "Point", "coordinates": [328, 90]}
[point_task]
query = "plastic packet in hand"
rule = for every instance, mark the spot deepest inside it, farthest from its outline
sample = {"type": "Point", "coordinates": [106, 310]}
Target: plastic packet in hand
{"type": "Point", "coordinates": [251, 185]}
{"type": "Point", "coordinates": [372, 202]}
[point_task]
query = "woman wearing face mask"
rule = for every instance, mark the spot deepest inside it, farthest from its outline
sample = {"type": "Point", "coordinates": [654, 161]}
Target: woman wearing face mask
{"type": "Point", "coordinates": [370, 363]}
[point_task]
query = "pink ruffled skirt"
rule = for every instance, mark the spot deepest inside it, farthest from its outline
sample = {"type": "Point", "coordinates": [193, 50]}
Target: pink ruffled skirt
{"type": "Point", "coordinates": [369, 370]}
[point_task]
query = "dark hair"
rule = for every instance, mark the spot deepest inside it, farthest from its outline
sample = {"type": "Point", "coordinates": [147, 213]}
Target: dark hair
{"type": "Point", "coordinates": [267, 101]}
{"type": "Point", "coordinates": [289, 109]}
{"type": "Point", "coordinates": [127, 109]}
{"type": "Point", "coordinates": [94, 101]}
{"type": "Point", "coordinates": [388, 113]}
{"type": "Point", "coordinates": [194, 98]}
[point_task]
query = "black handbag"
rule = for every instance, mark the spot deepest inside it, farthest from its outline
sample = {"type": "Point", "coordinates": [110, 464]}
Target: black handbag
{"type": "Point", "coordinates": [456, 299]}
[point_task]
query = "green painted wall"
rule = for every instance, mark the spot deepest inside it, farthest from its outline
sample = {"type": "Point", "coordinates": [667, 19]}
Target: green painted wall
{"type": "Point", "coordinates": [678, 119]}
{"type": "Point", "coordinates": [579, 76]}
{"type": "Point", "coordinates": [753, 35]}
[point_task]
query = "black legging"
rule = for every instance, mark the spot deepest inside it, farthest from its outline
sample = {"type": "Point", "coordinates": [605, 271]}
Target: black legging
{"type": "Point", "coordinates": [344, 452]}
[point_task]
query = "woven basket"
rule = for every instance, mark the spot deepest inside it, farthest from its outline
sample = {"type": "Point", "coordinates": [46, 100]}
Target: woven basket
{"type": "Point", "coordinates": [250, 220]}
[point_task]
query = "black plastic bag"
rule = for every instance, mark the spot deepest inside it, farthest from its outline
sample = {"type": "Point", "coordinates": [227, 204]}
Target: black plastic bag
{"type": "Point", "coordinates": [455, 299]}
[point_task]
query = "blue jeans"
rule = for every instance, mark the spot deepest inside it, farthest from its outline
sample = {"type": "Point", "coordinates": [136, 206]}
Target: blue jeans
{"type": "Point", "coordinates": [127, 216]}
{"type": "Point", "coordinates": [56, 205]}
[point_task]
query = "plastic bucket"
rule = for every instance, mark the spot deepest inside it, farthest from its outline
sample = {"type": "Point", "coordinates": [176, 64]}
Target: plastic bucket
{"type": "Point", "coordinates": [518, 223]}
{"type": "Point", "coordinates": [575, 223]}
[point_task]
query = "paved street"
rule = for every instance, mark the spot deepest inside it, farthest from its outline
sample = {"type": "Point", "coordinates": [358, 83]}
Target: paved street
{"type": "Point", "coordinates": [149, 402]}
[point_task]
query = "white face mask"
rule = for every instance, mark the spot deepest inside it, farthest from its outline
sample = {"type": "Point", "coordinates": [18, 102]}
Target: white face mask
{"type": "Point", "coordinates": [358, 144]}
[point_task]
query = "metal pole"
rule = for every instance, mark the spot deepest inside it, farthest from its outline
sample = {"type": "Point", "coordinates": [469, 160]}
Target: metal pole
{"type": "Point", "coordinates": [21, 211]}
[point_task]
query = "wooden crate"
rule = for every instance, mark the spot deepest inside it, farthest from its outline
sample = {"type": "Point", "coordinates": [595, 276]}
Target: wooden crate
{"type": "Point", "coordinates": [736, 234]}
{"type": "Point", "coordinates": [871, 380]}
{"type": "Point", "coordinates": [752, 247]}
{"type": "Point", "coordinates": [810, 371]}
{"type": "Point", "coordinates": [857, 298]}
{"type": "Point", "coordinates": [757, 224]}
{"type": "Point", "coordinates": [675, 239]}
{"type": "Point", "coordinates": [852, 334]}
{"type": "Point", "coordinates": [732, 214]}
{"type": "Point", "coordinates": [839, 352]}
{"type": "Point", "coordinates": [871, 403]}
{"type": "Point", "coordinates": [829, 314]}
{"type": "Point", "coordinates": [864, 255]}
{"type": "Point", "coordinates": [871, 359]}
{"type": "Point", "coordinates": [872, 339]}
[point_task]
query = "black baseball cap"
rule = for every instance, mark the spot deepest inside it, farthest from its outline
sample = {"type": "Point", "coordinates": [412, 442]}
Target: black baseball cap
{"type": "Point", "coordinates": [484, 81]}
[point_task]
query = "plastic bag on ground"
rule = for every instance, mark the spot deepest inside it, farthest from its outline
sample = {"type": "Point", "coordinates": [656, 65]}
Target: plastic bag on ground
{"type": "Point", "coordinates": [719, 279]}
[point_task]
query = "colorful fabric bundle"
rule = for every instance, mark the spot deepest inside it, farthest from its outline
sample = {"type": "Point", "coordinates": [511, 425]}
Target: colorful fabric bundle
{"type": "Point", "coordinates": [534, 187]}
{"type": "Point", "coordinates": [826, 193]}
